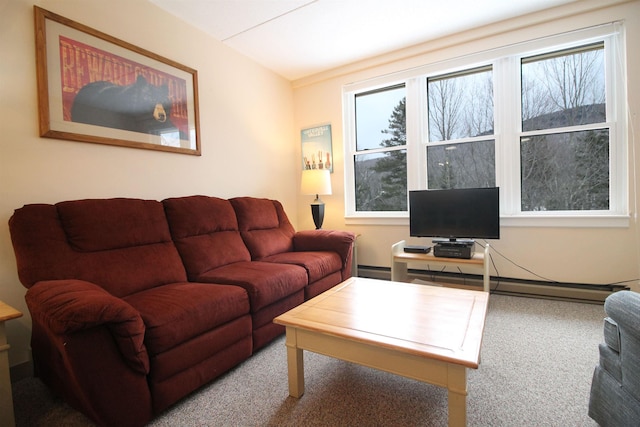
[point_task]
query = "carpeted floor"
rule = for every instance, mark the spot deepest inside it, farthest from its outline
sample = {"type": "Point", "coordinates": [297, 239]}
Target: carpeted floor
{"type": "Point", "coordinates": [537, 360]}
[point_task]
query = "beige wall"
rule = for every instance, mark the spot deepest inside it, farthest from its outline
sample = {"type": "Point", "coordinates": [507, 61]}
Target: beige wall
{"type": "Point", "coordinates": [578, 255]}
{"type": "Point", "coordinates": [246, 115]}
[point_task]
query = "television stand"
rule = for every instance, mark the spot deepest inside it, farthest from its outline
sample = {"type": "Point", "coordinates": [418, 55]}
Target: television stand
{"type": "Point", "coordinates": [399, 260]}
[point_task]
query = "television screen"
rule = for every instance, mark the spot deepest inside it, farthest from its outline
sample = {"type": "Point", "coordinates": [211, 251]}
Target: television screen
{"type": "Point", "coordinates": [469, 213]}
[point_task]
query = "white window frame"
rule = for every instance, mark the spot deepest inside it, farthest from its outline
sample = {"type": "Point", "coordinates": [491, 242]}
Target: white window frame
{"type": "Point", "coordinates": [507, 129]}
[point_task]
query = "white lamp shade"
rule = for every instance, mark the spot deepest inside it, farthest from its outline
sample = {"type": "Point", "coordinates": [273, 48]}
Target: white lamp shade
{"type": "Point", "coordinates": [316, 181]}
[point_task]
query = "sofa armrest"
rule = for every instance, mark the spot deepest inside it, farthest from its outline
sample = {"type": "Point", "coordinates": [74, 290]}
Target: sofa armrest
{"type": "Point", "coordinates": [337, 241]}
{"type": "Point", "coordinates": [68, 306]}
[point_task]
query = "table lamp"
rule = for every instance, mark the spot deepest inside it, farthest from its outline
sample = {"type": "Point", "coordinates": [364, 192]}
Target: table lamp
{"type": "Point", "coordinates": [316, 181]}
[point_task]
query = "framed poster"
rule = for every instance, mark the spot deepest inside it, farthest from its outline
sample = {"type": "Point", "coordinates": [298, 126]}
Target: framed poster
{"type": "Point", "coordinates": [96, 88]}
{"type": "Point", "coordinates": [316, 148]}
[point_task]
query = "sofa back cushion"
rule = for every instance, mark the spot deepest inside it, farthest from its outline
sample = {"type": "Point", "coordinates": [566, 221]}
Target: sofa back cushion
{"type": "Point", "coordinates": [121, 245]}
{"type": "Point", "coordinates": [264, 226]}
{"type": "Point", "coordinates": [205, 231]}
{"type": "Point", "coordinates": [102, 225]}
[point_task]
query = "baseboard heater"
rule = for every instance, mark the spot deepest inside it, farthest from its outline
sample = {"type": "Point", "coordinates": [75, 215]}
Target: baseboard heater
{"type": "Point", "coordinates": [582, 292]}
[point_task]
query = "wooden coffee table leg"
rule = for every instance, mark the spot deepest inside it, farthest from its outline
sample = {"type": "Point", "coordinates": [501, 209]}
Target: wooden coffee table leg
{"type": "Point", "coordinates": [457, 386]}
{"type": "Point", "coordinates": [295, 364]}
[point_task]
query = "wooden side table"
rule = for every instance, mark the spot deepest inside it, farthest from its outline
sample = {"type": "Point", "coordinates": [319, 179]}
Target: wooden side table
{"type": "Point", "coordinates": [6, 400]}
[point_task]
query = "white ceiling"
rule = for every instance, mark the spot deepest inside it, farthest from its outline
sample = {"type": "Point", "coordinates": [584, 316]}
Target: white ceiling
{"type": "Point", "coordinates": [298, 38]}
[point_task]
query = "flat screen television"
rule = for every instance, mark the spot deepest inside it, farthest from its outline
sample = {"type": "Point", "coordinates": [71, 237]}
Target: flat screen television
{"type": "Point", "coordinates": [456, 214]}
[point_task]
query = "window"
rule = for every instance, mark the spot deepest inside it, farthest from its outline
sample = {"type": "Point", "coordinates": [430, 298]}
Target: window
{"type": "Point", "coordinates": [541, 120]}
{"type": "Point", "coordinates": [380, 160]}
{"type": "Point", "coordinates": [564, 147]}
{"type": "Point", "coordinates": [461, 150]}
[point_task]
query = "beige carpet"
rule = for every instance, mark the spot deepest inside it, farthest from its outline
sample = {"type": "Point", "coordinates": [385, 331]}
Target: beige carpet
{"type": "Point", "coordinates": [537, 360]}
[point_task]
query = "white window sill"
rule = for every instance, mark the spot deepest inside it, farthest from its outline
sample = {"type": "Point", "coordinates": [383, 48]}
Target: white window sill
{"type": "Point", "coordinates": [575, 221]}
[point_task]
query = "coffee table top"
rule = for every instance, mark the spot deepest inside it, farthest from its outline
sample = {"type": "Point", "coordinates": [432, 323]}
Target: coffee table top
{"type": "Point", "coordinates": [436, 322]}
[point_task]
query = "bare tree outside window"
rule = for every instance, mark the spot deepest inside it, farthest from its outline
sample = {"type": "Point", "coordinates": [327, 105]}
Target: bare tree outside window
{"type": "Point", "coordinates": [462, 165]}
{"type": "Point", "coordinates": [568, 169]}
{"type": "Point", "coordinates": [461, 150]}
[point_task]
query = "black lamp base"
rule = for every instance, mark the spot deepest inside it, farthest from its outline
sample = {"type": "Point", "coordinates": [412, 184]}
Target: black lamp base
{"type": "Point", "coordinates": [317, 211]}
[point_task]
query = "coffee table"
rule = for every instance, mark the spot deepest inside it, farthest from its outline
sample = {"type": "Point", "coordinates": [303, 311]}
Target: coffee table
{"type": "Point", "coordinates": [428, 333]}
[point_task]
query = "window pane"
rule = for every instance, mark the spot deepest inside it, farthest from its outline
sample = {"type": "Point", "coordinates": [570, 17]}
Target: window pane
{"type": "Point", "coordinates": [567, 89]}
{"type": "Point", "coordinates": [381, 181]}
{"type": "Point", "coordinates": [565, 171]}
{"type": "Point", "coordinates": [460, 106]}
{"type": "Point", "coordinates": [380, 119]}
{"type": "Point", "coordinates": [467, 165]}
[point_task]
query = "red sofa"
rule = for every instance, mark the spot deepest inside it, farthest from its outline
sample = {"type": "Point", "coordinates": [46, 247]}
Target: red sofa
{"type": "Point", "coordinates": [137, 303]}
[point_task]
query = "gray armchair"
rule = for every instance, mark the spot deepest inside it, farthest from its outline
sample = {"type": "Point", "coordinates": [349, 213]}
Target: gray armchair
{"type": "Point", "coordinates": [615, 389]}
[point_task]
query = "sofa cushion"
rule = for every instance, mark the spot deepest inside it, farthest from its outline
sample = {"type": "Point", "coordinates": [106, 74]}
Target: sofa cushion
{"type": "Point", "coordinates": [265, 282]}
{"type": "Point", "coordinates": [178, 312]}
{"type": "Point", "coordinates": [104, 224]}
{"type": "Point", "coordinates": [205, 231]}
{"type": "Point", "coordinates": [264, 226]}
{"type": "Point", "coordinates": [317, 263]}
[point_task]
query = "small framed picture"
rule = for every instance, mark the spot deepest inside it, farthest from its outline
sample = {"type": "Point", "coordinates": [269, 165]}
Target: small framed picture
{"type": "Point", "coordinates": [316, 148]}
